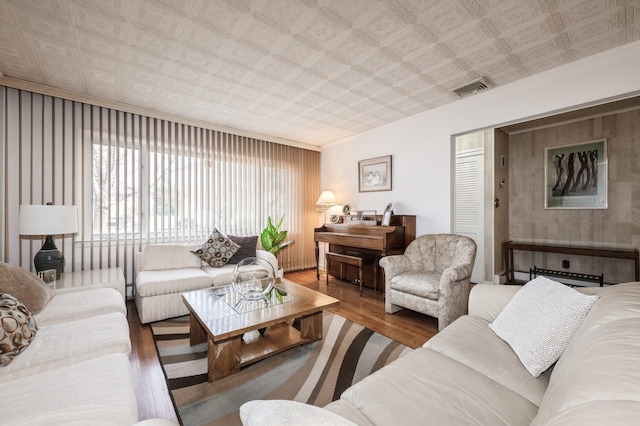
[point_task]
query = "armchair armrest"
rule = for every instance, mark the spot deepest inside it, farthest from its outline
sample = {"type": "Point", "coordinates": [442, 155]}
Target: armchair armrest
{"type": "Point", "coordinates": [453, 300]}
{"type": "Point", "coordinates": [456, 273]}
{"type": "Point", "coordinates": [395, 265]}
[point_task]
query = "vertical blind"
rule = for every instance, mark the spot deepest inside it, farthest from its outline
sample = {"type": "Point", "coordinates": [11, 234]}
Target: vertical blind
{"type": "Point", "coordinates": [139, 180]}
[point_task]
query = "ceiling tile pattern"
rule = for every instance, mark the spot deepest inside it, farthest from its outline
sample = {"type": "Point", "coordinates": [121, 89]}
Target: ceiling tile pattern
{"type": "Point", "coordinates": [313, 71]}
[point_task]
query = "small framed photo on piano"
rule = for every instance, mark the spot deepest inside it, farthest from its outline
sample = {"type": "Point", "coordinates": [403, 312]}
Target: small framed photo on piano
{"type": "Point", "coordinates": [386, 218]}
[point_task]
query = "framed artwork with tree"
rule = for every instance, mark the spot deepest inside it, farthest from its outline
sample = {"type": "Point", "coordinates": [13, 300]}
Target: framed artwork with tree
{"type": "Point", "coordinates": [576, 176]}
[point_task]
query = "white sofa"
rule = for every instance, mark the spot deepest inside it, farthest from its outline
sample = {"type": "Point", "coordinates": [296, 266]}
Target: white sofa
{"type": "Point", "coordinates": [76, 369]}
{"type": "Point", "coordinates": [165, 271]}
{"type": "Point", "coordinates": [467, 375]}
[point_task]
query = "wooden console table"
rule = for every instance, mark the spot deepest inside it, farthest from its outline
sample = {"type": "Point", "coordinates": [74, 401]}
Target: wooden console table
{"type": "Point", "coordinates": [509, 247]}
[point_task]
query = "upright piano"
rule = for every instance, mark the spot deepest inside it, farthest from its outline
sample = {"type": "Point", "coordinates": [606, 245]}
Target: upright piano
{"type": "Point", "coordinates": [365, 240]}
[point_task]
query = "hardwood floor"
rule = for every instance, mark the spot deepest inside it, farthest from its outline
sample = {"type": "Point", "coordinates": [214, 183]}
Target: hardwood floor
{"type": "Point", "coordinates": [154, 400]}
{"type": "Point", "coordinates": [407, 327]}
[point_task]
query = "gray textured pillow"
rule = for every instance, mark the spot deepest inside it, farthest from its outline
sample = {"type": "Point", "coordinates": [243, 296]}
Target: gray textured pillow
{"type": "Point", "coordinates": [247, 248]}
{"type": "Point", "coordinates": [540, 321]}
{"type": "Point", "coordinates": [17, 328]}
{"type": "Point", "coordinates": [24, 286]}
{"type": "Point", "coordinates": [217, 250]}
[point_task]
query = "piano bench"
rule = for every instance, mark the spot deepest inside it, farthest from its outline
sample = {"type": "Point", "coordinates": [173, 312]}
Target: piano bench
{"type": "Point", "coordinates": [356, 259]}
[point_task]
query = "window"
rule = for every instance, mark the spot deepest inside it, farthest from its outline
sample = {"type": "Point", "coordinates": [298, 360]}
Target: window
{"type": "Point", "coordinates": [115, 190]}
{"type": "Point", "coordinates": [164, 194]}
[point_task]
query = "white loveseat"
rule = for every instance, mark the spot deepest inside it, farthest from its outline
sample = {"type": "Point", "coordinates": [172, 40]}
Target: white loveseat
{"type": "Point", "coordinates": [76, 369]}
{"type": "Point", "coordinates": [467, 375]}
{"type": "Point", "coordinates": [165, 271]}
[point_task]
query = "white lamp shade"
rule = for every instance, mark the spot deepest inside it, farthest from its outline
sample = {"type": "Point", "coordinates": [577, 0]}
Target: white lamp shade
{"type": "Point", "coordinates": [326, 199]}
{"type": "Point", "coordinates": [48, 220]}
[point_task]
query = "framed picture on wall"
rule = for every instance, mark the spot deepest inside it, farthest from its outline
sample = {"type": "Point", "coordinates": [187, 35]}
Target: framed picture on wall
{"type": "Point", "coordinates": [576, 176]}
{"type": "Point", "coordinates": [374, 174]}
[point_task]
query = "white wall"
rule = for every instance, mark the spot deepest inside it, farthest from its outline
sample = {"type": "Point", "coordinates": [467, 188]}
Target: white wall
{"type": "Point", "coordinates": [421, 144]}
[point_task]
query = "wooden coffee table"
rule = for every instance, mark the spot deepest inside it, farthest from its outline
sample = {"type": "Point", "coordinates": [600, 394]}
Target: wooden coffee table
{"type": "Point", "coordinates": [216, 317]}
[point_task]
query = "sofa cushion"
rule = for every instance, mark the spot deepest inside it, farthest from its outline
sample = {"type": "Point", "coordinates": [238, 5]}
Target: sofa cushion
{"type": "Point", "coordinates": [247, 248]}
{"type": "Point", "coordinates": [159, 257]}
{"type": "Point", "coordinates": [540, 321]}
{"type": "Point", "coordinates": [81, 304]}
{"type": "Point", "coordinates": [217, 250]}
{"type": "Point", "coordinates": [97, 391]}
{"type": "Point", "coordinates": [63, 344]}
{"type": "Point", "coordinates": [471, 342]}
{"type": "Point", "coordinates": [24, 286]}
{"type": "Point", "coordinates": [425, 384]}
{"type": "Point", "coordinates": [154, 283]}
{"type": "Point", "coordinates": [220, 276]}
{"type": "Point", "coordinates": [17, 329]}
{"type": "Point", "coordinates": [418, 283]}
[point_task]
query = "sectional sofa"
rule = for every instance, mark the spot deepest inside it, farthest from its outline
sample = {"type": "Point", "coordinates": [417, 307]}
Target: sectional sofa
{"type": "Point", "coordinates": [75, 369]}
{"type": "Point", "coordinates": [467, 375]}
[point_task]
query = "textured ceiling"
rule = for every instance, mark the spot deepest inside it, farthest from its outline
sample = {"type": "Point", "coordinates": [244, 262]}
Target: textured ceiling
{"type": "Point", "coordinates": [313, 71]}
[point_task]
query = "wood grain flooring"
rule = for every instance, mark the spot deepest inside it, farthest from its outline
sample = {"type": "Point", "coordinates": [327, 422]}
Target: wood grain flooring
{"type": "Point", "coordinates": [407, 327]}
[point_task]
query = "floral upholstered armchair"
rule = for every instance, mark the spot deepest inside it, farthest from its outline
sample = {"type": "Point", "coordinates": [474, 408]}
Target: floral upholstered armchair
{"type": "Point", "coordinates": [431, 277]}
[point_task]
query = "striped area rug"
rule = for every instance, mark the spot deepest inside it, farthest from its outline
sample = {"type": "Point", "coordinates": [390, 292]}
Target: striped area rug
{"type": "Point", "coordinates": [316, 373]}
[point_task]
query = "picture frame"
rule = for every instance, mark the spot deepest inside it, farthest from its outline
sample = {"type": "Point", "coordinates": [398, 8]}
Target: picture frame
{"type": "Point", "coordinates": [48, 276]}
{"type": "Point", "coordinates": [374, 174]}
{"type": "Point", "coordinates": [576, 176]}
{"type": "Point", "coordinates": [386, 218]}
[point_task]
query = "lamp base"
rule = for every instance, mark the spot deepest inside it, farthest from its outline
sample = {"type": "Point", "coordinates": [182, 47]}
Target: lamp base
{"type": "Point", "coordinates": [49, 257]}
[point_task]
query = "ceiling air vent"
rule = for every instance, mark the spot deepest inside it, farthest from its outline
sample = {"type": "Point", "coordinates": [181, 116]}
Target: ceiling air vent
{"type": "Point", "coordinates": [475, 86]}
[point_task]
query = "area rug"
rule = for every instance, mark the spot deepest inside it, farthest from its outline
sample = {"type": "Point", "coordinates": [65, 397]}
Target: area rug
{"type": "Point", "coordinates": [315, 374]}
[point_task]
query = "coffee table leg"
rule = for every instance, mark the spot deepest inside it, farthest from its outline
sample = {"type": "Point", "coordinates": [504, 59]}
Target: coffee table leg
{"type": "Point", "coordinates": [311, 327]}
{"type": "Point", "coordinates": [223, 358]}
{"type": "Point", "coordinates": [197, 333]}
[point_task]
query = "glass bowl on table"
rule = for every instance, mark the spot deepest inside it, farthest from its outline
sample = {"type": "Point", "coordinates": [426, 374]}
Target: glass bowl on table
{"type": "Point", "coordinates": [253, 279]}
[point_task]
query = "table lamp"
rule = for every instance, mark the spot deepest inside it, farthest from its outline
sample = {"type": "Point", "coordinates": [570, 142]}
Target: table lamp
{"type": "Point", "coordinates": [48, 220]}
{"type": "Point", "coordinates": [326, 200]}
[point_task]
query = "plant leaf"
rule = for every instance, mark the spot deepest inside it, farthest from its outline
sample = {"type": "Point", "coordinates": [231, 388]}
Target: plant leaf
{"type": "Point", "coordinates": [279, 295]}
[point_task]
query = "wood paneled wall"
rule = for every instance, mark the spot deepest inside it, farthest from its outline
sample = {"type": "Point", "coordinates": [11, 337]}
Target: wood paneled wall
{"type": "Point", "coordinates": [616, 227]}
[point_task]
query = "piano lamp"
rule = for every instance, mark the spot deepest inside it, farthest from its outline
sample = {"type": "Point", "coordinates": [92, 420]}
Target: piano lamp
{"type": "Point", "coordinates": [48, 220]}
{"type": "Point", "coordinates": [326, 200]}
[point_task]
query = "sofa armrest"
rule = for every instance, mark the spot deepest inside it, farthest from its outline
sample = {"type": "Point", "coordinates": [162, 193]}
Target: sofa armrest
{"type": "Point", "coordinates": [269, 257]}
{"type": "Point", "coordinates": [488, 300]}
{"type": "Point", "coordinates": [137, 263]}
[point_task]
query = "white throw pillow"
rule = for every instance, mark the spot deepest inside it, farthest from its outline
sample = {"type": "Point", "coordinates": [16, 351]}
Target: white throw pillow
{"type": "Point", "coordinates": [540, 321]}
{"type": "Point", "coordinates": [279, 412]}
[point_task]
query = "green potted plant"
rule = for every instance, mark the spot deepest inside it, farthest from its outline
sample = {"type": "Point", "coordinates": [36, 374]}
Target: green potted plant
{"type": "Point", "coordinates": [273, 239]}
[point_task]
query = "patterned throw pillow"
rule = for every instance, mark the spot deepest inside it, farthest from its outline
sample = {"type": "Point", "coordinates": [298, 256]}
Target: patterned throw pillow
{"type": "Point", "coordinates": [217, 250]}
{"type": "Point", "coordinates": [540, 321]}
{"type": "Point", "coordinates": [17, 328]}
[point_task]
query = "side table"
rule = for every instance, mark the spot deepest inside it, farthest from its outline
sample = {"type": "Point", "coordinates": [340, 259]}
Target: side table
{"type": "Point", "coordinates": [96, 278]}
